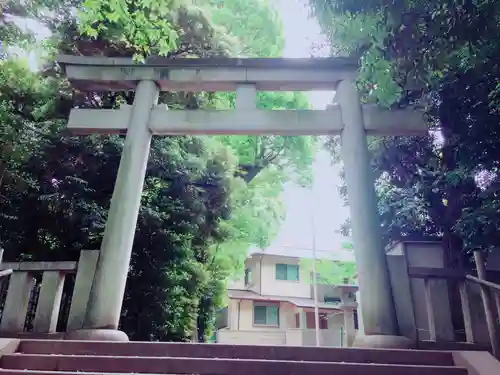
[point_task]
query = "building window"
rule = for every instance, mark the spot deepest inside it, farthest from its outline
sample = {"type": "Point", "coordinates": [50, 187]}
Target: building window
{"type": "Point", "coordinates": [266, 314]}
{"type": "Point", "coordinates": [332, 299]}
{"type": "Point", "coordinates": [248, 276]}
{"type": "Point", "coordinates": [288, 272]}
{"type": "Point", "coordinates": [311, 320]}
{"type": "Point", "coordinates": [356, 321]}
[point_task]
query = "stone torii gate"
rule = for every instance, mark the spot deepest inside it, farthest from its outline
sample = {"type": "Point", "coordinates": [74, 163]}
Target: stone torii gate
{"type": "Point", "coordinates": [145, 118]}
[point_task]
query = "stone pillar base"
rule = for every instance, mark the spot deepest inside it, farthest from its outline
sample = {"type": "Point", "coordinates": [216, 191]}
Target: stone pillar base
{"type": "Point", "coordinates": [97, 335]}
{"type": "Point", "coordinates": [383, 342]}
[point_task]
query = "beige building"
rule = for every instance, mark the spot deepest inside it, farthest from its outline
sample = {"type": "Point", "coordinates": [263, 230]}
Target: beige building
{"type": "Point", "coordinates": [272, 304]}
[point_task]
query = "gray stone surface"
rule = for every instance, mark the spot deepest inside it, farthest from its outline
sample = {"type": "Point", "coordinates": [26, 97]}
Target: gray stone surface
{"type": "Point", "coordinates": [39, 266]}
{"type": "Point", "coordinates": [104, 74]}
{"type": "Point", "coordinates": [49, 302]}
{"type": "Point", "coordinates": [245, 120]}
{"type": "Point", "coordinates": [97, 335]}
{"type": "Point", "coordinates": [16, 304]}
{"type": "Point", "coordinates": [328, 63]}
{"type": "Point", "coordinates": [377, 305]}
{"type": "Point", "coordinates": [384, 342]}
{"type": "Point", "coordinates": [409, 292]}
{"type": "Point", "coordinates": [108, 287]}
{"type": "Point", "coordinates": [81, 292]}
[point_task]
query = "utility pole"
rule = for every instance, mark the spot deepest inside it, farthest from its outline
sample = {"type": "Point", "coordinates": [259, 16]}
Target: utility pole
{"type": "Point", "coordinates": [314, 275]}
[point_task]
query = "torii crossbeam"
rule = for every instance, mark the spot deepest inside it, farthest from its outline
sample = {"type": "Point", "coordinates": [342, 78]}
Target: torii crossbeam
{"type": "Point", "coordinates": [244, 76]}
{"type": "Point", "coordinates": [245, 121]}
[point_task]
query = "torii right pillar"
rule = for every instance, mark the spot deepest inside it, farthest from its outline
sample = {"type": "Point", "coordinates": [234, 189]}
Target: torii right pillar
{"type": "Point", "coordinates": [377, 304]}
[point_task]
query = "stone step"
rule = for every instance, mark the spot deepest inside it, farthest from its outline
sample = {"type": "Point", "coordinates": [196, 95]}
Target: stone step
{"type": "Point", "coordinates": [37, 372]}
{"type": "Point", "coordinates": [210, 366]}
{"type": "Point", "coordinates": [279, 353]}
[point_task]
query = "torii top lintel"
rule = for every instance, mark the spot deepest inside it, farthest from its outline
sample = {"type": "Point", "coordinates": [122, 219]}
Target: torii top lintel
{"type": "Point", "coordinates": [214, 74]}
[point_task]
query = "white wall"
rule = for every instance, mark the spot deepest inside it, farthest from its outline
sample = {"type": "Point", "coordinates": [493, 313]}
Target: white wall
{"type": "Point", "coordinates": [264, 281]}
{"type": "Point", "coordinates": [271, 286]}
{"type": "Point", "coordinates": [253, 264]}
{"type": "Point", "coordinates": [237, 284]}
{"type": "Point", "coordinates": [242, 330]}
{"type": "Point", "coordinates": [287, 317]}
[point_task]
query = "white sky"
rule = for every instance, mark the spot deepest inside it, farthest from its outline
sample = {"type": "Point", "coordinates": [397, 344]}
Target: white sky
{"type": "Point", "coordinates": [323, 200]}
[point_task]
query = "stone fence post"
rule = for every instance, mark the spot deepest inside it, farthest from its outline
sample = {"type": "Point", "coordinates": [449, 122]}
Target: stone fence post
{"type": "Point", "coordinates": [409, 294]}
{"type": "Point", "coordinates": [20, 288]}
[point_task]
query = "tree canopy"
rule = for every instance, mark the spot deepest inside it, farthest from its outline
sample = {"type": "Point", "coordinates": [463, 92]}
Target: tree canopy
{"type": "Point", "coordinates": [206, 199]}
{"type": "Point", "coordinates": [330, 272]}
{"type": "Point", "coordinates": [441, 56]}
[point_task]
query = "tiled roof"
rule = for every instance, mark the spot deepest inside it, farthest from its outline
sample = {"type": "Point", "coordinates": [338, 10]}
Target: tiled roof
{"type": "Point", "coordinates": [299, 302]}
{"type": "Point", "coordinates": [343, 255]}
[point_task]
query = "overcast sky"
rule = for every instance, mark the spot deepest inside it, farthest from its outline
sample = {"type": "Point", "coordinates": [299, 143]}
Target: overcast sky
{"type": "Point", "coordinates": [325, 202]}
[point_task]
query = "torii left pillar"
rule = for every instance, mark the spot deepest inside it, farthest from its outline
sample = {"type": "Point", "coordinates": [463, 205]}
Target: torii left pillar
{"type": "Point", "coordinates": [106, 297]}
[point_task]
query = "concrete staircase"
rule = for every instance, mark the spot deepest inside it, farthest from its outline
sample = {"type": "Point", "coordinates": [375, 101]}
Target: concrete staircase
{"type": "Point", "coordinates": [54, 357]}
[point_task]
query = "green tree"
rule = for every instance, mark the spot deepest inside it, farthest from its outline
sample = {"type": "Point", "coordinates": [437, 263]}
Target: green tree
{"type": "Point", "coordinates": [56, 189]}
{"type": "Point", "coordinates": [329, 271]}
{"type": "Point", "coordinates": [442, 56]}
{"type": "Point", "coordinates": [186, 196]}
{"type": "Point", "coordinates": [55, 205]}
{"type": "Point", "coordinates": [259, 32]}
{"type": "Point", "coordinates": [254, 23]}
{"type": "Point", "coordinates": [291, 156]}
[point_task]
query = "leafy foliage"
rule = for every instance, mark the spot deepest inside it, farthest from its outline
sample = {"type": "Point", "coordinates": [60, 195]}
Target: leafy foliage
{"type": "Point", "coordinates": [254, 23]}
{"type": "Point", "coordinates": [200, 209]}
{"type": "Point", "coordinates": [330, 272]}
{"type": "Point", "coordinates": [443, 56]}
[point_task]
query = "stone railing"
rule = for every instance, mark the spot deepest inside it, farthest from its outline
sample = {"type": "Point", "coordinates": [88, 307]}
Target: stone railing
{"type": "Point", "coordinates": [34, 291]}
{"type": "Point", "coordinates": [477, 297]}
{"type": "Point", "coordinates": [442, 308]}
{"type": "Point", "coordinates": [253, 337]}
{"type": "Point", "coordinates": [287, 337]}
